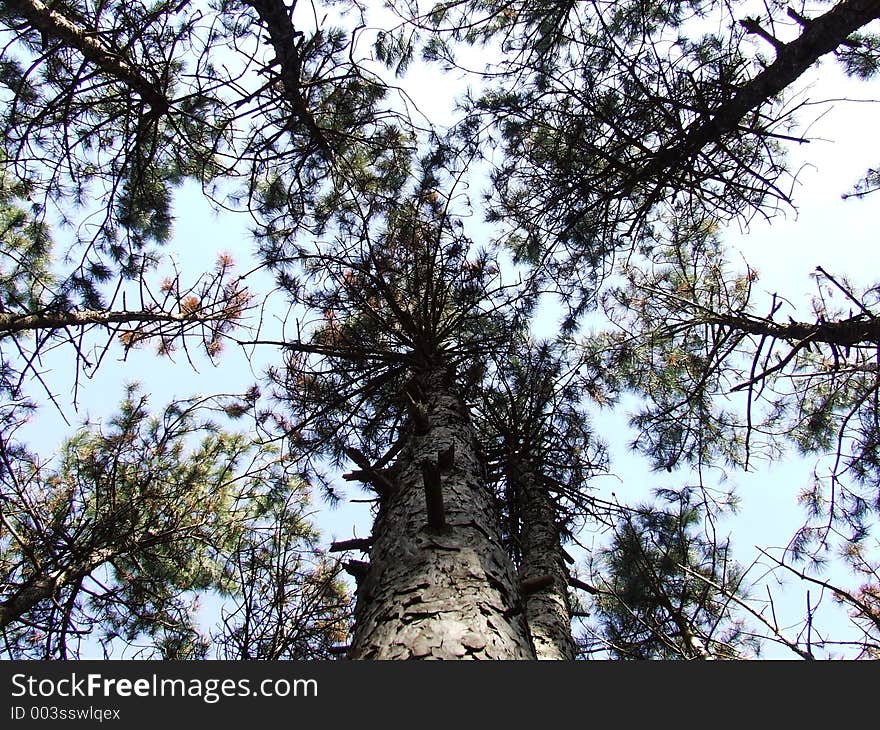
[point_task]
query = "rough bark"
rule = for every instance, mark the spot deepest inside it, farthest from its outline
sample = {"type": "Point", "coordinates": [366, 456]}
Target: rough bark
{"type": "Point", "coordinates": [548, 611]}
{"type": "Point", "coordinates": [448, 592]}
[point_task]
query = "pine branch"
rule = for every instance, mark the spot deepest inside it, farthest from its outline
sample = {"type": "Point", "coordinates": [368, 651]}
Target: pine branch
{"type": "Point", "coordinates": [358, 543]}
{"type": "Point", "coordinates": [821, 36]}
{"type": "Point", "coordinates": [12, 323]}
{"type": "Point", "coordinates": [368, 474]}
{"type": "Point", "coordinates": [283, 37]}
{"type": "Point", "coordinates": [357, 569]}
{"type": "Point", "coordinates": [853, 331]}
{"type": "Point", "coordinates": [753, 27]}
{"type": "Point", "coordinates": [381, 484]}
{"type": "Point", "coordinates": [41, 587]}
{"type": "Point", "coordinates": [433, 495]}
{"type": "Point", "coordinates": [577, 583]}
{"type": "Point", "coordinates": [52, 23]}
{"type": "Point", "coordinates": [845, 596]}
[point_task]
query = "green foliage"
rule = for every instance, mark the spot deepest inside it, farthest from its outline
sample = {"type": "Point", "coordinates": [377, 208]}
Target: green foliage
{"type": "Point", "coordinates": [25, 255]}
{"type": "Point", "coordinates": [402, 291]}
{"type": "Point", "coordinates": [665, 585]}
{"type": "Point", "coordinates": [138, 519]}
{"type": "Point", "coordinates": [531, 414]}
{"type": "Point", "coordinates": [280, 601]}
{"type": "Point", "coordinates": [394, 51]}
{"type": "Point", "coordinates": [868, 184]}
{"type": "Point", "coordinates": [91, 133]}
{"type": "Point", "coordinates": [664, 347]}
{"type": "Point", "coordinates": [862, 58]}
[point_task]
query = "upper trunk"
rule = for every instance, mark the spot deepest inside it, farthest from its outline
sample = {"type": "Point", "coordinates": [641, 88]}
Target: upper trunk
{"type": "Point", "coordinates": [542, 566]}
{"type": "Point", "coordinates": [446, 591]}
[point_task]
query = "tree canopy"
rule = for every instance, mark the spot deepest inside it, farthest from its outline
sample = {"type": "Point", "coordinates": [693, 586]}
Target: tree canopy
{"type": "Point", "coordinates": [590, 162]}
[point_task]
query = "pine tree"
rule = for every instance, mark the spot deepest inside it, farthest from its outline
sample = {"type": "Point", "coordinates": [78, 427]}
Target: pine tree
{"type": "Point", "coordinates": [141, 517]}
{"type": "Point", "coordinates": [408, 307]}
{"type": "Point", "coordinates": [617, 138]}
{"type": "Point", "coordinates": [664, 587]}
{"type": "Point", "coordinates": [543, 453]}
{"type": "Point", "coordinates": [627, 134]}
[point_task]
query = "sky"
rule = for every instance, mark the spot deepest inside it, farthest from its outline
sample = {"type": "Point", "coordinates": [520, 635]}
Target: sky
{"type": "Point", "coordinates": [825, 230]}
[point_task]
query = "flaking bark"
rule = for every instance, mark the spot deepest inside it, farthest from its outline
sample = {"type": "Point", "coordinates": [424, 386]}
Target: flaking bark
{"type": "Point", "coordinates": [447, 593]}
{"type": "Point", "coordinates": [543, 575]}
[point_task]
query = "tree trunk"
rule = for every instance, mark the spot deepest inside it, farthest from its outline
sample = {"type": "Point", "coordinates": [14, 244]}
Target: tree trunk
{"type": "Point", "coordinates": [445, 590]}
{"type": "Point", "coordinates": [543, 574]}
